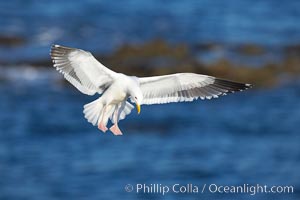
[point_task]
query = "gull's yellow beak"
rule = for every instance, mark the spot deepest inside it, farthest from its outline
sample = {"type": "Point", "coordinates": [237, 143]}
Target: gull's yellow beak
{"type": "Point", "coordinates": [138, 107]}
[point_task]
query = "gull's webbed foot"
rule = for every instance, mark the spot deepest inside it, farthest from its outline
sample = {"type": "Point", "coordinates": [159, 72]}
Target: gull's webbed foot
{"type": "Point", "coordinates": [102, 127]}
{"type": "Point", "coordinates": [115, 130]}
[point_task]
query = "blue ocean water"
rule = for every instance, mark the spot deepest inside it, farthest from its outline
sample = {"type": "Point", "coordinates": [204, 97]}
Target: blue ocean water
{"type": "Point", "coordinates": [101, 26]}
{"type": "Point", "coordinates": [49, 151]}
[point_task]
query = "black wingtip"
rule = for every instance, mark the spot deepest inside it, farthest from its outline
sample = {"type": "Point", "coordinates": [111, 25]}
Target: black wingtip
{"type": "Point", "coordinates": [232, 86]}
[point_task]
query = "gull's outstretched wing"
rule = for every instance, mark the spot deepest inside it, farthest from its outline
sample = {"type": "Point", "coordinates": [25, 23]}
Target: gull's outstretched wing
{"type": "Point", "coordinates": [81, 69]}
{"type": "Point", "coordinates": [185, 87]}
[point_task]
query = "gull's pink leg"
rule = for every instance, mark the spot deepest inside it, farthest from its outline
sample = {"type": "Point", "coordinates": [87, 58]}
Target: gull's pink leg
{"type": "Point", "coordinates": [101, 125]}
{"type": "Point", "coordinates": [115, 129]}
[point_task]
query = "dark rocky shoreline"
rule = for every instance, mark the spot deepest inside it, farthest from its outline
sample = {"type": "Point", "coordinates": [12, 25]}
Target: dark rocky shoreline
{"type": "Point", "coordinates": [158, 57]}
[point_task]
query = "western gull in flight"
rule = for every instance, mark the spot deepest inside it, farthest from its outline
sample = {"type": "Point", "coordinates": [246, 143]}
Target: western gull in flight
{"type": "Point", "coordinates": [89, 76]}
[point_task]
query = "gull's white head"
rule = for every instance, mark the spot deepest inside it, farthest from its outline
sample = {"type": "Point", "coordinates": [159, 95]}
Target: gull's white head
{"type": "Point", "coordinates": [136, 94]}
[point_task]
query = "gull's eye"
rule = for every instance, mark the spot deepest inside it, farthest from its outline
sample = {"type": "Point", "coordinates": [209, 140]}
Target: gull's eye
{"type": "Point", "coordinates": [135, 97]}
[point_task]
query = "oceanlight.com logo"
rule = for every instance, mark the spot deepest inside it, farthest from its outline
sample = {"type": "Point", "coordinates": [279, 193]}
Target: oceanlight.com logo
{"type": "Point", "coordinates": [142, 188]}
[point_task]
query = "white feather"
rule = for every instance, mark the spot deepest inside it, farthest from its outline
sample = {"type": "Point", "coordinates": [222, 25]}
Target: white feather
{"type": "Point", "coordinates": [81, 69]}
{"type": "Point", "coordinates": [92, 111]}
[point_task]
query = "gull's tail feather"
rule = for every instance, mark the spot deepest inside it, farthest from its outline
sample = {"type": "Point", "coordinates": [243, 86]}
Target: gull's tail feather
{"type": "Point", "coordinates": [92, 111]}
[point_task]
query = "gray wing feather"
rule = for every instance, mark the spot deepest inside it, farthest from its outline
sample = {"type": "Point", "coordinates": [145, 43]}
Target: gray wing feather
{"type": "Point", "coordinates": [81, 69]}
{"type": "Point", "coordinates": [186, 87]}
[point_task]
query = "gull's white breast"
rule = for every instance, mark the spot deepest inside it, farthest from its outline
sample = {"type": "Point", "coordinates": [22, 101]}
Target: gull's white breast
{"type": "Point", "coordinates": [116, 93]}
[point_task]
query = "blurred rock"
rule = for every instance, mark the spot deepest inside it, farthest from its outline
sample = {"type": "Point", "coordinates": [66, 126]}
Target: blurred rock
{"type": "Point", "coordinates": [208, 46]}
{"type": "Point", "coordinates": [153, 48]}
{"type": "Point", "coordinates": [250, 49]}
{"type": "Point", "coordinates": [291, 65]}
{"type": "Point", "coordinates": [147, 58]}
{"type": "Point", "coordinates": [292, 50]}
{"type": "Point", "coordinates": [11, 40]}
